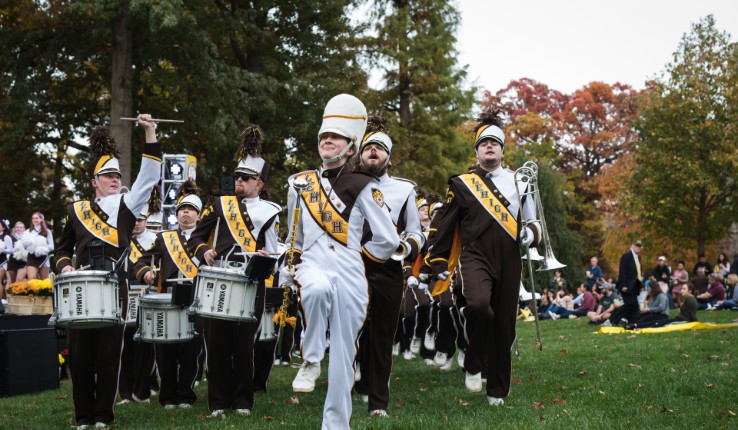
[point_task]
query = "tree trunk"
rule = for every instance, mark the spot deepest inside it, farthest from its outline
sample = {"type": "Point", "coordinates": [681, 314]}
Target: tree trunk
{"type": "Point", "coordinates": [121, 89]}
{"type": "Point", "coordinates": [701, 224]}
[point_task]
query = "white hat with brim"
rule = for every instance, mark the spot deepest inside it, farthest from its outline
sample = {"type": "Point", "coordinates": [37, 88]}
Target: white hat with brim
{"type": "Point", "coordinates": [190, 200]}
{"type": "Point", "coordinates": [380, 138]}
{"type": "Point", "coordinates": [490, 132]}
{"type": "Point", "coordinates": [252, 166]}
{"type": "Point", "coordinates": [107, 164]}
{"type": "Point", "coordinates": [346, 116]}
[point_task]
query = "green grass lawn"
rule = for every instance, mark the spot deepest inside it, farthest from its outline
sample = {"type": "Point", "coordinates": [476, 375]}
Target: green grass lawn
{"type": "Point", "coordinates": [580, 380]}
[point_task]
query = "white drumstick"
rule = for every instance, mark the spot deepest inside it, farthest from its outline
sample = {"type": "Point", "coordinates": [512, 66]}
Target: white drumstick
{"type": "Point", "coordinates": [172, 121]}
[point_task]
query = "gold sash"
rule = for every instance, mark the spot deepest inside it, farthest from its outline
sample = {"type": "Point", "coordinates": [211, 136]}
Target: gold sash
{"type": "Point", "coordinates": [236, 224]}
{"type": "Point", "coordinates": [96, 226]}
{"type": "Point", "coordinates": [135, 253]}
{"type": "Point", "coordinates": [493, 206]}
{"type": "Point", "coordinates": [179, 255]}
{"type": "Point", "coordinates": [329, 218]}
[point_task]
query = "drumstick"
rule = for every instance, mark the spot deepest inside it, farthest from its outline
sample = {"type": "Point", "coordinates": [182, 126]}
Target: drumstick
{"type": "Point", "coordinates": [251, 254]}
{"type": "Point", "coordinates": [172, 121]}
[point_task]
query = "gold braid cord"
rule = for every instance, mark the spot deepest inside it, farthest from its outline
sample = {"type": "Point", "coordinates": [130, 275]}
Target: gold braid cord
{"type": "Point", "coordinates": [281, 317]}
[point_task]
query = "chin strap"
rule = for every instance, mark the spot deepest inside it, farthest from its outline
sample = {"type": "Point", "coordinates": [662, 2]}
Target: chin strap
{"type": "Point", "coordinates": [339, 156]}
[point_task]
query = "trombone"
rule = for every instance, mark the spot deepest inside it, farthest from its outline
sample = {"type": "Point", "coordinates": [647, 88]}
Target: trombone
{"type": "Point", "coordinates": [526, 177]}
{"type": "Point", "coordinates": [403, 250]}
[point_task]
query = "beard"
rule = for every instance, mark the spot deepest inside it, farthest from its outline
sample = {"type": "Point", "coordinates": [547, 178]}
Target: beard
{"type": "Point", "coordinates": [374, 170]}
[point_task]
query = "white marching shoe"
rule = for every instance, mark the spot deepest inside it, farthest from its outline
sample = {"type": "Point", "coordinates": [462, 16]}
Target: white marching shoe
{"type": "Point", "coordinates": [494, 401]}
{"type": "Point", "coordinates": [407, 355]}
{"type": "Point", "coordinates": [379, 413]}
{"type": "Point", "coordinates": [473, 382]}
{"type": "Point", "coordinates": [440, 359]}
{"type": "Point", "coordinates": [307, 375]}
{"type": "Point", "coordinates": [430, 342]}
{"type": "Point", "coordinates": [415, 345]}
{"type": "Point", "coordinates": [396, 349]}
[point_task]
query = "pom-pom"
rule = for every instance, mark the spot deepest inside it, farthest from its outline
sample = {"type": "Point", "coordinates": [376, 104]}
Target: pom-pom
{"type": "Point", "coordinates": [489, 116]}
{"type": "Point", "coordinates": [251, 140]}
{"type": "Point", "coordinates": [102, 143]}
{"type": "Point", "coordinates": [188, 187]}
{"type": "Point", "coordinates": [376, 124]}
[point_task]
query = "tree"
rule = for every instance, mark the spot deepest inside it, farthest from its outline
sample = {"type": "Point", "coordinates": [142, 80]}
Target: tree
{"type": "Point", "coordinates": [413, 46]}
{"type": "Point", "coordinates": [684, 182]}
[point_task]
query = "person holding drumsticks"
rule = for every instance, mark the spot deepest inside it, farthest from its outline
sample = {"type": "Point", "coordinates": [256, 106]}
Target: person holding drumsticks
{"type": "Point", "coordinates": [99, 231]}
{"type": "Point", "coordinates": [236, 224]}
{"type": "Point", "coordinates": [177, 362]}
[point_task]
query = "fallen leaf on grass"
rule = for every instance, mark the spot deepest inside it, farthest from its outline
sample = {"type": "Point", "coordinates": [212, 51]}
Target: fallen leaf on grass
{"type": "Point", "coordinates": [539, 405]}
{"type": "Point", "coordinates": [665, 409]}
{"type": "Point", "coordinates": [595, 346]}
{"type": "Point", "coordinates": [559, 401]}
{"type": "Point", "coordinates": [565, 411]}
{"type": "Point", "coordinates": [423, 389]}
{"type": "Point", "coordinates": [672, 370]}
{"type": "Point", "coordinates": [712, 357]}
{"type": "Point", "coordinates": [632, 336]}
{"type": "Point", "coordinates": [562, 351]}
{"type": "Point", "coordinates": [61, 397]}
{"type": "Point", "coordinates": [635, 366]}
{"type": "Point", "coordinates": [201, 417]}
{"type": "Point", "coordinates": [602, 392]}
{"type": "Point", "coordinates": [583, 372]}
{"type": "Point", "coordinates": [638, 388]}
{"type": "Point", "coordinates": [541, 418]}
{"type": "Point", "coordinates": [463, 403]}
{"type": "Point", "coordinates": [294, 400]}
{"type": "Point", "coordinates": [710, 386]}
{"type": "Point", "coordinates": [724, 364]}
{"type": "Point", "coordinates": [445, 418]}
{"type": "Point", "coordinates": [400, 402]}
{"type": "Point", "coordinates": [516, 380]}
{"type": "Point", "coordinates": [269, 417]}
{"type": "Point", "coordinates": [731, 413]}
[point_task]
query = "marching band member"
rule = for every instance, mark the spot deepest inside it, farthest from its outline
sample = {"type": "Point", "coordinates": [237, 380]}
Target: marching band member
{"type": "Point", "coordinates": [137, 360]}
{"type": "Point", "coordinates": [247, 223]}
{"type": "Point", "coordinates": [330, 273]}
{"type": "Point", "coordinates": [98, 231]}
{"type": "Point", "coordinates": [482, 212]}
{"type": "Point", "coordinates": [177, 363]}
{"type": "Point", "coordinates": [385, 279]}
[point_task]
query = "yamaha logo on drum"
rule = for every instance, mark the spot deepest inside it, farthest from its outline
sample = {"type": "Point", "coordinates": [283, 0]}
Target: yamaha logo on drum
{"type": "Point", "coordinates": [160, 324]}
{"type": "Point", "coordinates": [221, 297]}
{"type": "Point", "coordinates": [78, 300]}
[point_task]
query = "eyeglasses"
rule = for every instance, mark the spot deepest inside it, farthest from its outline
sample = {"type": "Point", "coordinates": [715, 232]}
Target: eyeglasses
{"type": "Point", "coordinates": [244, 178]}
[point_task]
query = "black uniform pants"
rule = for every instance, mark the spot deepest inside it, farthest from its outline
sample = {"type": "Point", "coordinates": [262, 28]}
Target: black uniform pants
{"type": "Point", "coordinates": [376, 338]}
{"type": "Point", "coordinates": [95, 362]}
{"type": "Point", "coordinates": [446, 333]}
{"type": "Point", "coordinates": [137, 363]}
{"type": "Point", "coordinates": [178, 365]}
{"type": "Point", "coordinates": [491, 291]}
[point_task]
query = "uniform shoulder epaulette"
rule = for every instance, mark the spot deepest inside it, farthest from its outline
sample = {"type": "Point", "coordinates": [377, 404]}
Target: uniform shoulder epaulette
{"type": "Point", "coordinates": [405, 180]}
{"type": "Point", "coordinates": [276, 206]}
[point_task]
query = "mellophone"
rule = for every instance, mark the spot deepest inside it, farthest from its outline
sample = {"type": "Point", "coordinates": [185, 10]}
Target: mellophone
{"type": "Point", "coordinates": [86, 299]}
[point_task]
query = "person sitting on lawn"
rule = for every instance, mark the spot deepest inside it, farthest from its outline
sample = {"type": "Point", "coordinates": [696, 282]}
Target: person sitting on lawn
{"type": "Point", "coordinates": [731, 298]}
{"type": "Point", "coordinates": [715, 293]}
{"type": "Point", "coordinates": [588, 305]}
{"type": "Point", "coordinates": [687, 312]}
{"type": "Point", "coordinates": [657, 307]}
{"type": "Point", "coordinates": [606, 306]}
{"type": "Point", "coordinates": [562, 300]}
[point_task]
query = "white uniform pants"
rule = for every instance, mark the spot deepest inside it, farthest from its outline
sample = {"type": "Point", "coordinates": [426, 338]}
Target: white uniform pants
{"type": "Point", "coordinates": [333, 288]}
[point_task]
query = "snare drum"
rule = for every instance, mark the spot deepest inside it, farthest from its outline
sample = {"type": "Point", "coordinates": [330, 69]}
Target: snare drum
{"type": "Point", "coordinates": [268, 331]}
{"type": "Point", "coordinates": [162, 321]}
{"type": "Point", "coordinates": [225, 293]}
{"type": "Point", "coordinates": [86, 299]}
{"type": "Point", "coordinates": [134, 292]}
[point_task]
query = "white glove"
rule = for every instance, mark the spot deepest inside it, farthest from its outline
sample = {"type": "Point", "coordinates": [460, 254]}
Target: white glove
{"type": "Point", "coordinates": [412, 282]}
{"type": "Point", "coordinates": [287, 276]}
{"type": "Point", "coordinates": [443, 275]}
{"type": "Point", "coordinates": [423, 286]}
{"type": "Point", "coordinates": [526, 237]}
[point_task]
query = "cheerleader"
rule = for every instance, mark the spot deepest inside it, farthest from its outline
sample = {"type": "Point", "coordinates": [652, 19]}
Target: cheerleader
{"type": "Point", "coordinates": [39, 242]}
{"type": "Point", "coordinates": [17, 254]}
{"type": "Point", "coordinates": [6, 247]}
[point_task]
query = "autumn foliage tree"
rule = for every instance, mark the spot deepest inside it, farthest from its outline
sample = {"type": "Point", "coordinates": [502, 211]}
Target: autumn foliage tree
{"type": "Point", "coordinates": [685, 179]}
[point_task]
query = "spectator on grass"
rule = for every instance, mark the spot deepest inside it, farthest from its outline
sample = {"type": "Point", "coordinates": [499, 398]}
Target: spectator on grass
{"type": "Point", "coordinates": [562, 300]}
{"type": "Point", "coordinates": [594, 273]}
{"type": "Point", "coordinates": [701, 263]}
{"type": "Point", "coordinates": [687, 312]}
{"type": "Point", "coordinates": [700, 281]}
{"type": "Point", "coordinates": [731, 300]}
{"type": "Point", "coordinates": [558, 282]}
{"type": "Point", "coordinates": [722, 266]}
{"type": "Point", "coordinates": [662, 271]}
{"type": "Point", "coordinates": [588, 305]}
{"type": "Point", "coordinates": [606, 306]}
{"type": "Point", "coordinates": [547, 299]}
{"type": "Point", "coordinates": [679, 278]}
{"type": "Point", "coordinates": [657, 308]}
{"type": "Point", "coordinates": [714, 294]}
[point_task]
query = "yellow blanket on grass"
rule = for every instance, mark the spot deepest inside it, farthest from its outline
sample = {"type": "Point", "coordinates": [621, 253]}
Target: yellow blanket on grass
{"type": "Point", "coordinates": [665, 329]}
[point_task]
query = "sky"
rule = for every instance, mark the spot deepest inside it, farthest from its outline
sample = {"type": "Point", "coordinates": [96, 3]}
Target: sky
{"type": "Point", "coordinates": [566, 44]}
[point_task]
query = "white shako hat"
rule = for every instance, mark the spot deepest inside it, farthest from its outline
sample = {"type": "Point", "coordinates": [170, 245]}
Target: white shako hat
{"type": "Point", "coordinates": [102, 145]}
{"type": "Point", "coordinates": [490, 131]}
{"type": "Point", "coordinates": [379, 137]}
{"type": "Point", "coordinates": [186, 195]}
{"type": "Point", "coordinates": [344, 115]}
{"type": "Point", "coordinates": [421, 201]}
{"type": "Point", "coordinates": [107, 164]}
